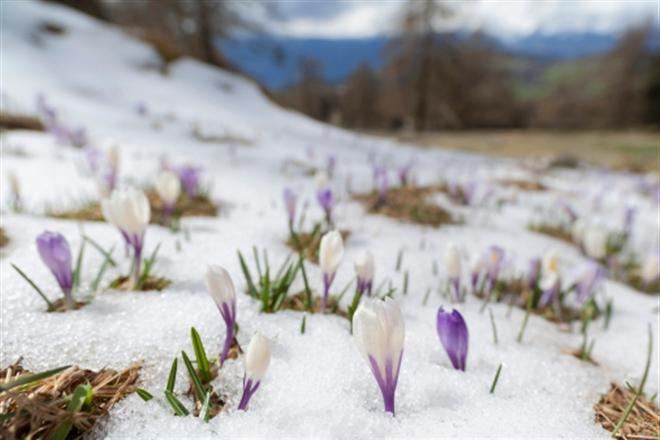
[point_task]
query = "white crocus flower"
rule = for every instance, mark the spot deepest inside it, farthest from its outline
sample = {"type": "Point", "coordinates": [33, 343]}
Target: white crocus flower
{"type": "Point", "coordinates": [651, 268]}
{"type": "Point", "coordinates": [379, 333]}
{"type": "Point", "coordinates": [321, 180]}
{"type": "Point", "coordinates": [256, 361]}
{"type": "Point", "coordinates": [128, 209]}
{"type": "Point", "coordinates": [364, 268]}
{"type": "Point", "coordinates": [551, 262]}
{"type": "Point", "coordinates": [595, 242]}
{"type": "Point", "coordinates": [168, 187]}
{"type": "Point", "coordinates": [331, 251]}
{"type": "Point", "coordinates": [221, 288]}
{"type": "Point", "coordinates": [578, 230]}
{"type": "Point", "coordinates": [453, 265]}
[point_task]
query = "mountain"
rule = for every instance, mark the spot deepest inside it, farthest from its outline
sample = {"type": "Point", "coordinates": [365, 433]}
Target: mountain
{"type": "Point", "coordinates": [274, 61]}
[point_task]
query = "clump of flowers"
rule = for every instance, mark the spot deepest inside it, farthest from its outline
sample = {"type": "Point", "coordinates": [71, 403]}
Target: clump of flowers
{"type": "Point", "coordinates": [379, 333]}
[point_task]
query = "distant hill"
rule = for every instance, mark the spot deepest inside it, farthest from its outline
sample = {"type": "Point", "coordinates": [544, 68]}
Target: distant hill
{"type": "Point", "coordinates": [274, 60]}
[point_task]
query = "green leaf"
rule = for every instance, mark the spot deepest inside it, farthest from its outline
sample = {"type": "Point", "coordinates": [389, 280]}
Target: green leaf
{"type": "Point", "coordinates": [102, 269]}
{"type": "Point", "coordinates": [82, 396]}
{"type": "Point", "coordinates": [282, 266]}
{"type": "Point", "coordinates": [495, 379]}
{"type": "Point", "coordinates": [171, 380]}
{"type": "Point", "coordinates": [252, 290]}
{"type": "Point", "coordinates": [200, 356]}
{"type": "Point", "coordinates": [34, 286]}
{"type": "Point", "coordinates": [303, 325]}
{"type": "Point", "coordinates": [106, 254]}
{"type": "Point", "coordinates": [28, 379]}
{"type": "Point", "coordinates": [255, 253]}
{"type": "Point", "coordinates": [148, 264]}
{"type": "Point", "coordinates": [78, 269]}
{"type": "Point", "coordinates": [206, 407]}
{"type": "Point", "coordinates": [144, 394]}
{"type": "Point", "coordinates": [200, 392]}
{"type": "Point", "coordinates": [177, 406]}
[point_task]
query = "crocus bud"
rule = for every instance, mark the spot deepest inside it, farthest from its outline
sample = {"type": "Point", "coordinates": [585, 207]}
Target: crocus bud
{"type": "Point", "coordinates": [256, 360]}
{"type": "Point", "coordinates": [168, 187]}
{"type": "Point", "coordinates": [453, 334]}
{"type": "Point", "coordinates": [364, 268]}
{"type": "Point", "coordinates": [453, 264]}
{"type": "Point", "coordinates": [379, 334]}
{"type": "Point", "coordinates": [15, 190]}
{"type": "Point", "coordinates": [550, 285]}
{"type": "Point", "coordinates": [290, 199]}
{"type": "Point", "coordinates": [494, 260]}
{"type": "Point", "coordinates": [589, 281]}
{"type": "Point", "coordinates": [551, 262]}
{"type": "Point", "coordinates": [404, 173]}
{"type": "Point", "coordinates": [128, 209]}
{"type": "Point", "coordinates": [221, 288]}
{"type": "Point", "coordinates": [595, 242]}
{"type": "Point", "coordinates": [577, 231]}
{"type": "Point", "coordinates": [476, 267]}
{"type": "Point", "coordinates": [326, 199]}
{"type": "Point", "coordinates": [320, 180]}
{"type": "Point", "coordinates": [189, 176]}
{"type": "Point", "coordinates": [331, 252]}
{"type": "Point", "coordinates": [651, 268]}
{"type": "Point", "coordinates": [55, 253]}
{"type": "Point", "coordinates": [533, 272]}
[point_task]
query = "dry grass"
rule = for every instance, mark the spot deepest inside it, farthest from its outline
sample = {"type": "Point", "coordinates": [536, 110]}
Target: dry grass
{"type": "Point", "coordinates": [4, 239]}
{"type": "Point", "coordinates": [634, 150]}
{"type": "Point", "coordinates": [298, 304]}
{"type": "Point", "coordinates": [308, 242]}
{"type": "Point", "coordinates": [10, 121]}
{"type": "Point", "coordinates": [150, 283]}
{"type": "Point", "coordinates": [59, 306]}
{"type": "Point", "coordinates": [37, 410]}
{"type": "Point", "coordinates": [554, 232]}
{"type": "Point", "coordinates": [643, 422]}
{"type": "Point", "coordinates": [409, 204]}
{"type": "Point", "coordinates": [525, 185]}
{"type": "Point", "coordinates": [199, 206]}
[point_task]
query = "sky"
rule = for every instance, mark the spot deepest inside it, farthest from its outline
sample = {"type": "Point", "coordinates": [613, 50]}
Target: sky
{"type": "Point", "coordinates": [505, 18]}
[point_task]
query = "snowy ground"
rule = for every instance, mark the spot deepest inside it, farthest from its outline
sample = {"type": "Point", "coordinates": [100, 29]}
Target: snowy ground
{"type": "Point", "coordinates": [317, 385]}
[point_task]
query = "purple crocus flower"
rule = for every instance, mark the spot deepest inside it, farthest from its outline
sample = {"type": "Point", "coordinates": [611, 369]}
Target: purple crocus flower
{"type": "Point", "coordinates": [381, 181]}
{"type": "Point", "coordinates": [78, 137]}
{"type": "Point", "coordinates": [468, 190]}
{"type": "Point", "coordinates": [93, 158]}
{"type": "Point", "coordinates": [494, 261]}
{"type": "Point", "coordinates": [587, 284]}
{"type": "Point", "coordinates": [189, 176]}
{"type": "Point", "coordinates": [377, 172]}
{"type": "Point", "coordinates": [550, 287]}
{"type": "Point", "coordinates": [533, 272]}
{"type": "Point", "coordinates": [55, 253]}
{"type": "Point", "coordinates": [404, 173]}
{"type": "Point", "coordinates": [453, 334]}
{"type": "Point", "coordinates": [331, 164]}
{"type": "Point", "coordinates": [326, 200]}
{"type": "Point", "coordinates": [290, 199]}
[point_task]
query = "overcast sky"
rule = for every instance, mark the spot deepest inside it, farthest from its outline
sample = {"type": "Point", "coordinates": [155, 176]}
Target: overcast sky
{"type": "Point", "coordinates": [506, 18]}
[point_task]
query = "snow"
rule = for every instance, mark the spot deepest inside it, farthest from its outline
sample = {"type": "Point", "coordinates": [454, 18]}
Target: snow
{"type": "Point", "coordinates": [317, 385]}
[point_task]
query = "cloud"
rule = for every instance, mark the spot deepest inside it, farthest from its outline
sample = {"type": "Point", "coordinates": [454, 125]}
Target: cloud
{"type": "Point", "coordinates": [365, 18]}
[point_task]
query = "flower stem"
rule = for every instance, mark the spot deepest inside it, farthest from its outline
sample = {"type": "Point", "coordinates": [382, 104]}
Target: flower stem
{"type": "Point", "coordinates": [524, 323]}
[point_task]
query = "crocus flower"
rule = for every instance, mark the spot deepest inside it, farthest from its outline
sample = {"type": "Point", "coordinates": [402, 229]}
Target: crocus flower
{"type": "Point", "coordinates": [377, 172]}
{"type": "Point", "coordinates": [15, 191]}
{"type": "Point", "coordinates": [290, 200]}
{"type": "Point", "coordinates": [55, 253]}
{"type": "Point", "coordinates": [320, 181]}
{"type": "Point", "coordinates": [364, 268]}
{"type": "Point", "coordinates": [589, 281]}
{"type": "Point", "coordinates": [533, 272]}
{"type": "Point", "coordinates": [326, 200]}
{"type": "Point", "coordinates": [168, 187]}
{"type": "Point", "coordinates": [189, 176]}
{"type": "Point", "coordinates": [468, 190]}
{"type": "Point", "coordinates": [129, 210]}
{"type": "Point", "coordinates": [595, 242]}
{"type": "Point", "coordinates": [221, 288]}
{"type": "Point", "coordinates": [568, 210]}
{"type": "Point", "coordinates": [651, 268]}
{"type": "Point", "coordinates": [577, 231]}
{"type": "Point", "coordinates": [550, 285]}
{"type": "Point", "coordinates": [453, 334]}
{"type": "Point", "coordinates": [382, 184]}
{"type": "Point", "coordinates": [331, 164]}
{"type": "Point", "coordinates": [379, 334]}
{"type": "Point", "coordinates": [476, 267]}
{"type": "Point", "coordinates": [453, 264]}
{"type": "Point", "coordinates": [256, 361]}
{"type": "Point", "coordinates": [93, 158]}
{"type": "Point", "coordinates": [494, 260]}
{"type": "Point", "coordinates": [404, 173]}
{"type": "Point", "coordinates": [331, 252]}
{"type": "Point", "coordinates": [78, 137]}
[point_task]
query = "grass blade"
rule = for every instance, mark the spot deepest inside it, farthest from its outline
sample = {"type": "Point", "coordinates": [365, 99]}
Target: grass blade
{"type": "Point", "coordinates": [171, 380]}
{"type": "Point", "coordinates": [256, 260]}
{"type": "Point", "coordinates": [78, 269]}
{"type": "Point", "coordinates": [177, 406]}
{"type": "Point", "coordinates": [82, 396]}
{"type": "Point", "coordinates": [205, 408]}
{"type": "Point", "coordinates": [101, 272]}
{"type": "Point", "coordinates": [200, 355]}
{"type": "Point", "coordinates": [495, 379]}
{"type": "Point", "coordinates": [144, 394]}
{"type": "Point", "coordinates": [106, 254]}
{"type": "Point", "coordinates": [252, 290]}
{"type": "Point", "coordinates": [28, 379]}
{"type": "Point", "coordinates": [34, 286]}
{"type": "Point", "coordinates": [492, 325]}
{"type": "Point", "coordinates": [197, 383]}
